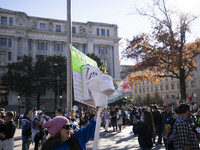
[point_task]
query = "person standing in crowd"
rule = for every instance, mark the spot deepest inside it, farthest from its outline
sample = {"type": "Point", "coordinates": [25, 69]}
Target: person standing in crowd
{"type": "Point", "coordinates": [145, 130]}
{"type": "Point", "coordinates": [37, 129]}
{"type": "Point", "coordinates": [106, 118]}
{"type": "Point", "coordinates": [26, 130]}
{"type": "Point", "coordinates": [175, 115]}
{"type": "Point", "coordinates": [119, 118]}
{"type": "Point", "coordinates": [8, 132]}
{"type": "Point", "coordinates": [183, 136]}
{"type": "Point", "coordinates": [167, 124]}
{"type": "Point", "coordinates": [63, 138]}
{"type": "Point", "coordinates": [113, 119]}
{"type": "Point", "coordinates": [59, 112]}
{"type": "Point", "coordinates": [2, 115]}
{"type": "Point", "coordinates": [157, 117]}
{"type": "Point", "coordinates": [73, 115]}
{"type": "Point", "coordinates": [81, 117]}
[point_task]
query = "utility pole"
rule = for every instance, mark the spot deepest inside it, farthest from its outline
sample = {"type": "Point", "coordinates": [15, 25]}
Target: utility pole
{"type": "Point", "coordinates": [69, 62]}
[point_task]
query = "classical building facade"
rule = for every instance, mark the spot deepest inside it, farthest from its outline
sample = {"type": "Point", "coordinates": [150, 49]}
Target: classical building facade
{"type": "Point", "coordinates": [21, 34]}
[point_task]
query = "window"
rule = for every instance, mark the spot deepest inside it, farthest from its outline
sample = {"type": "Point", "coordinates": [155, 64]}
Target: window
{"type": "Point", "coordinates": [172, 86]}
{"type": "Point", "coordinates": [58, 28]}
{"type": "Point", "coordinates": [9, 56]}
{"type": "Point", "coordinates": [192, 84]}
{"type": "Point", "coordinates": [5, 42]}
{"type": "Point", "coordinates": [108, 32]}
{"type": "Point", "coordinates": [9, 42]}
{"type": "Point", "coordinates": [103, 51]}
{"type": "Point", "coordinates": [147, 89]}
{"type": "Point", "coordinates": [29, 44]}
{"type": "Point", "coordinates": [2, 56]}
{"type": "Point", "coordinates": [58, 47]}
{"type": "Point", "coordinates": [73, 30]}
{"type": "Point", "coordinates": [10, 21]}
{"type": "Point", "coordinates": [42, 46]}
{"type": "Point", "coordinates": [97, 31]}
{"type": "Point", "coordinates": [104, 61]}
{"type": "Point", "coordinates": [140, 90]}
{"type": "Point", "coordinates": [42, 26]}
{"type": "Point", "coordinates": [84, 49]}
{"type": "Point", "coordinates": [173, 96]}
{"type": "Point", "coordinates": [83, 30]}
{"type": "Point", "coordinates": [178, 85]}
{"type": "Point", "coordinates": [143, 89]}
{"type": "Point", "coordinates": [167, 87]}
{"type": "Point", "coordinates": [166, 79]}
{"type": "Point", "coordinates": [161, 87]}
{"type": "Point", "coordinates": [3, 20]}
{"type": "Point", "coordinates": [102, 32]}
{"type": "Point", "coordinates": [167, 96]}
{"type": "Point", "coordinates": [151, 89]}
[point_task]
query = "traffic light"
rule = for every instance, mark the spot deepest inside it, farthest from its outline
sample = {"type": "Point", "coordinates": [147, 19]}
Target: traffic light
{"type": "Point", "coordinates": [190, 98]}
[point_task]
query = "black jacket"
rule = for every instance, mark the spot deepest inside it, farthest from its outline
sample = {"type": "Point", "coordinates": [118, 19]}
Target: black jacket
{"type": "Point", "coordinates": [144, 136]}
{"type": "Point", "coordinates": [9, 130]}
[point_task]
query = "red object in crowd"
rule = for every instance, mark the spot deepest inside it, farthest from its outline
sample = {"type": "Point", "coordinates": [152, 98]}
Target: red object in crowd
{"type": "Point", "coordinates": [126, 87]}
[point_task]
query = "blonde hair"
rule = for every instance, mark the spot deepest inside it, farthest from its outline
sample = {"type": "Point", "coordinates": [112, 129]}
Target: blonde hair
{"type": "Point", "coordinates": [11, 114]}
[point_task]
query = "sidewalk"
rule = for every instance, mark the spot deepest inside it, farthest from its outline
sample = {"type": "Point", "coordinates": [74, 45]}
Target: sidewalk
{"type": "Point", "coordinates": [124, 140]}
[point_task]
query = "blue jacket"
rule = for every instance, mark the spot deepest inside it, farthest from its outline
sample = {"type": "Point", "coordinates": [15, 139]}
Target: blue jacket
{"type": "Point", "coordinates": [83, 135]}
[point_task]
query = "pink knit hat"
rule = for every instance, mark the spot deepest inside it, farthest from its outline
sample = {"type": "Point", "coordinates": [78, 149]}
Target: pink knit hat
{"type": "Point", "coordinates": [55, 125]}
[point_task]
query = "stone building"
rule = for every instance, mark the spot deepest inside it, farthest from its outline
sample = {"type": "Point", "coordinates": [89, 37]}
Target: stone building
{"type": "Point", "coordinates": [21, 34]}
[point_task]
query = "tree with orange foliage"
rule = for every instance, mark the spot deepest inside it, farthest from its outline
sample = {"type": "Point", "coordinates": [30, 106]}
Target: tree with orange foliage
{"type": "Point", "coordinates": [164, 52]}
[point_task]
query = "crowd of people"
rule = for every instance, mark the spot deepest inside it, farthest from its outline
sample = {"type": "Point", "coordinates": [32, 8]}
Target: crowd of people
{"type": "Point", "coordinates": [174, 127]}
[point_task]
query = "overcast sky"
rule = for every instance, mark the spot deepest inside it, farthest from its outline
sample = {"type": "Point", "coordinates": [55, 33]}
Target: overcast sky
{"type": "Point", "coordinates": [120, 12]}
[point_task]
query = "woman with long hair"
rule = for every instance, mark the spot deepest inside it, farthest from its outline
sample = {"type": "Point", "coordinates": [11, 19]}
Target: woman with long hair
{"type": "Point", "coordinates": [62, 136]}
{"type": "Point", "coordinates": [9, 131]}
{"type": "Point", "coordinates": [26, 130]}
{"type": "Point", "coordinates": [145, 131]}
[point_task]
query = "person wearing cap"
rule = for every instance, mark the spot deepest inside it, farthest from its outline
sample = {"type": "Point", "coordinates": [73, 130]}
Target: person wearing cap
{"type": "Point", "coordinates": [183, 136]}
{"type": "Point", "coordinates": [37, 126]}
{"type": "Point", "coordinates": [62, 136]}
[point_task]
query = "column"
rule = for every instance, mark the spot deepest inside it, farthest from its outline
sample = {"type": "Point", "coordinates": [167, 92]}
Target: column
{"type": "Point", "coordinates": [90, 48]}
{"type": "Point", "coordinates": [116, 64]}
{"type": "Point", "coordinates": [34, 49]}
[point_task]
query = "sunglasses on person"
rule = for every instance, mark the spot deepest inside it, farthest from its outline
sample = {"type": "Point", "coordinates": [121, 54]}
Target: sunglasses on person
{"type": "Point", "coordinates": [67, 126]}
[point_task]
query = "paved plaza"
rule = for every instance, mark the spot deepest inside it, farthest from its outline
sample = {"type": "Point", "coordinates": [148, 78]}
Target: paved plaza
{"type": "Point", "coordinates": [124, 140]}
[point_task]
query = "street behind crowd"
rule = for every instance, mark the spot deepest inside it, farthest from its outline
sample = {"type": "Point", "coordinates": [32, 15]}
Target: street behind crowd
{"type": "Point", "coordinates": [124, 140]}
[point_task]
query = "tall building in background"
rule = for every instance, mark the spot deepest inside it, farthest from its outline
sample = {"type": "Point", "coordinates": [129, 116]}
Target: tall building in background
{"type": "Point", "coordinates": [21, 34]}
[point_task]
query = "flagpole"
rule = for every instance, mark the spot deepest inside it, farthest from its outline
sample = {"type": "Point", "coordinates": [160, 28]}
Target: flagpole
{"type": "Point", "coordinates": [69, 62]}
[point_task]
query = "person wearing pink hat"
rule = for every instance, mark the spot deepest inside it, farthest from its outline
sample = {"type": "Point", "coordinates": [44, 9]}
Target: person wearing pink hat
{"type": "Point", "coordinates": [62, 136]}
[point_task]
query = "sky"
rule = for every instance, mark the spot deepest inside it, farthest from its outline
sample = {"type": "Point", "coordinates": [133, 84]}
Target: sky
{"type": "Point", "coordinates": [120, 12]}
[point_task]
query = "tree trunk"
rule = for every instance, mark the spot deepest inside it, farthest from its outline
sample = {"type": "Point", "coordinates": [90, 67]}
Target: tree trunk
{"type": "Point", "coordinates": [38, 101]}
{"type": "Point", "coordinates": [182, 85]}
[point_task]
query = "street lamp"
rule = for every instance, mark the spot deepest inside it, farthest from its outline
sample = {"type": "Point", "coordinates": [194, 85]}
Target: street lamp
{"type": "Point", "coordinates": [57, 79]}
{"type": "Point", "coordinates": [126, 101]}
{"type": "Point", "coordinates": [60, 99]}
{"type": "Point", "coordinates": [18, 97]}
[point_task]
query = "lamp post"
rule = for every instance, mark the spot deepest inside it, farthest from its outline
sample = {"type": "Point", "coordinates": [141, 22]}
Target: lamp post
{"type": "Point", "coordinates": [18, 97]}
{"type": "Point", "coordinates": [57, 83]}
{"type": "Point", "coordinates": [126, 101]}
